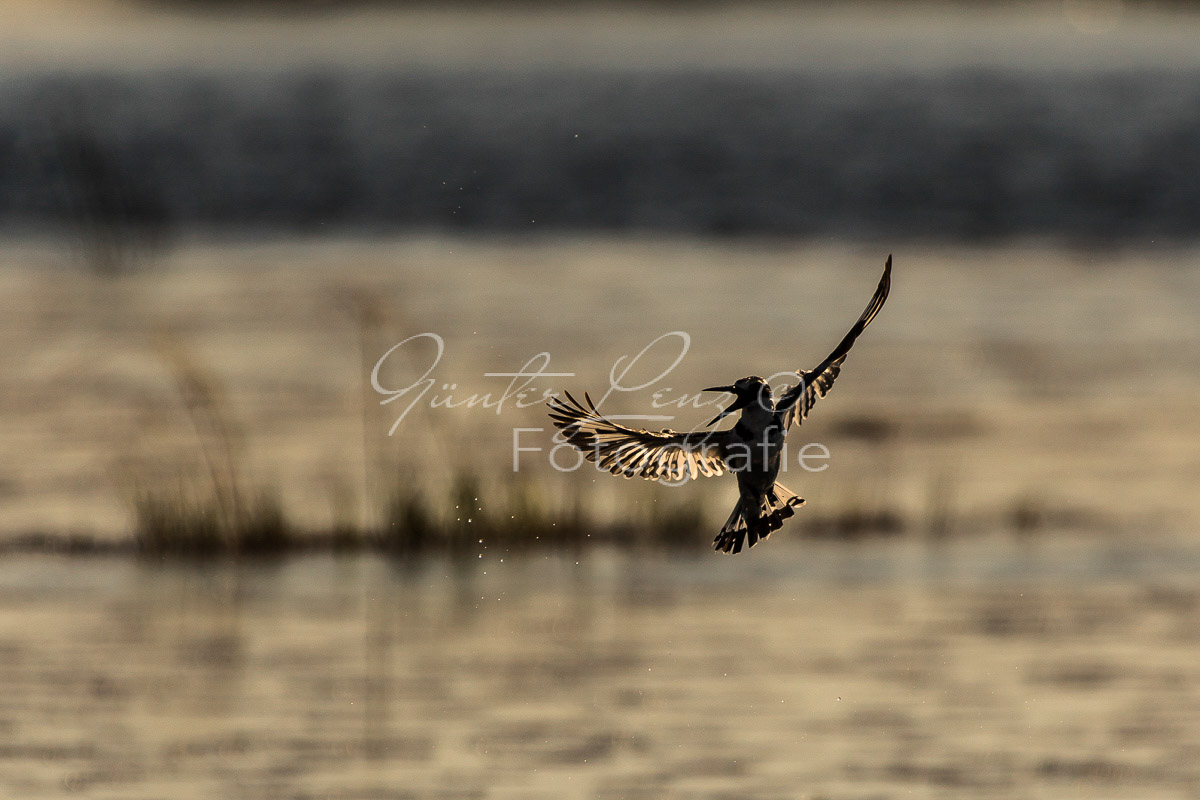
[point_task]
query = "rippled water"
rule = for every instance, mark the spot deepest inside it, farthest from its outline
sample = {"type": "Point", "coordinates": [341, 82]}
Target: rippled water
{"type": "Point", "coordinates": [993, 669]}
{"type": "Point", "coordinates": [958, 152]}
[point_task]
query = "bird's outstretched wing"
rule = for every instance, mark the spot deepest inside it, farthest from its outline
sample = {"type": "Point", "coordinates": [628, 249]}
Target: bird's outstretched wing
{"type": "Point", "coordinates": [815, 383]}
{"type": "Point", "coordinates": [632, 451]}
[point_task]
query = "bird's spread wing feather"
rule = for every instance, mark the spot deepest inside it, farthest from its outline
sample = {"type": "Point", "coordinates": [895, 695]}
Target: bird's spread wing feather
{"type": "Point", "coordinates": [815, 383]}
{"type": "Point", "coordinates": [622, 450]}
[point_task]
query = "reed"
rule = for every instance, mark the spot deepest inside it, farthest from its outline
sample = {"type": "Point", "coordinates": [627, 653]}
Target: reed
{"type": "Point", "coordinates": [222, 517]}
{"type": "Point", "coordinates": [178, 524]}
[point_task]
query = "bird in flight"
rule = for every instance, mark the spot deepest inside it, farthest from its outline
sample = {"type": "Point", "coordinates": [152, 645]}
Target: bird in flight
{"type": "Point", "coordinates": [752, 449]}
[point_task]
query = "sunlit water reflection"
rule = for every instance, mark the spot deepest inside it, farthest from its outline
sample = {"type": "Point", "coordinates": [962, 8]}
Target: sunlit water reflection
{"type": "Point", "coordinates": [995, 669]}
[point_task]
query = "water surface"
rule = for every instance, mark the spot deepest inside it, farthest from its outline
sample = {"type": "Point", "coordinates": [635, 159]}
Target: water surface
{"type": "Point", "coordinates": [995, 669]}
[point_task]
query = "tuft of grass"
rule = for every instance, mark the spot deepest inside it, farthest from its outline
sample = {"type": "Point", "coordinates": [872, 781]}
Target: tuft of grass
{"type": "Point", "coordinates": [176, 524]}
{"type": "Point", "coordinates": [217, 436]}
{"type": "Point", "coordinates": [465, 522]}
{"type": "Point", "coordinates": [261, 528]}
{"type": "Point", "coordinates": [218, 520]}
{"type": "Point", "coordinates": [408, 524]}
{"type": "Point", "coordinates": [528, 520]}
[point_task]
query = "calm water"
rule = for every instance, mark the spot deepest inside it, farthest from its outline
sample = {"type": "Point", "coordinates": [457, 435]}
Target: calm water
{"type": "Point", "coordinates": [992, 669]}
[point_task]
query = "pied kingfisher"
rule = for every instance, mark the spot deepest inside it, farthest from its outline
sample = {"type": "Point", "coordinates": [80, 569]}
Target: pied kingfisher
{"type": "Point", "coordinates": [752, 448]}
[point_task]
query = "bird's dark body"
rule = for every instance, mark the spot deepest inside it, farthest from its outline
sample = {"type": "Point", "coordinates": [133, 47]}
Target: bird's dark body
{"type": "Point", "coordinates": [755, 454]}
{"type": "Point", "coordinates": [753, 449]}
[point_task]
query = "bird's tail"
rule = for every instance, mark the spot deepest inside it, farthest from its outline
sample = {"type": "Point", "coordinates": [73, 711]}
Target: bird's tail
{"type": "Point", "coordinates": [755, 517]}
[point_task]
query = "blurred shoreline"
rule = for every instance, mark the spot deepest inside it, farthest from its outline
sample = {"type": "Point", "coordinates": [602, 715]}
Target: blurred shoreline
{"type": "Point", "coordinates": [964, 154]}
{"type": "Point", "coordinates": [881, 121]}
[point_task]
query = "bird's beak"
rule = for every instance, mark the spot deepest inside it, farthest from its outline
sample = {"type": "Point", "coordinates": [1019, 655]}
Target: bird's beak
{"type": "Point", "coordinates": [738, 403]}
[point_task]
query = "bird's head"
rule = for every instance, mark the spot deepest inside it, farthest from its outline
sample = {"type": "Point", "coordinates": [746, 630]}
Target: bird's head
{"type": "Point", "coordinates": [745, 391]}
